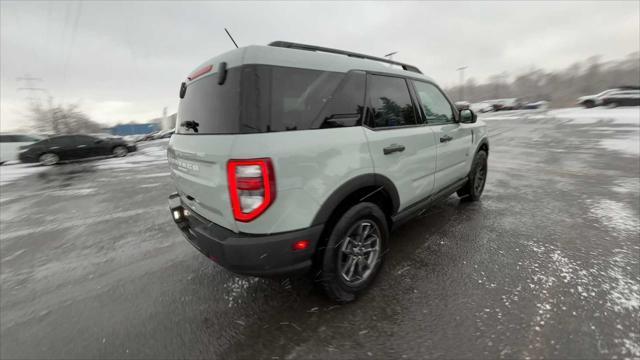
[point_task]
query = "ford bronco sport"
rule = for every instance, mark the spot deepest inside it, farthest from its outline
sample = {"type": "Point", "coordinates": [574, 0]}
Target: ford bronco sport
{"type": "Point", "coordinates": [292, 157]}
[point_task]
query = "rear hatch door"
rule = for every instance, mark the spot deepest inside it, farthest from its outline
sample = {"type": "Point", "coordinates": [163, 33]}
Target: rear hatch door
{"type": "Point", "coordinates": [198, 165]}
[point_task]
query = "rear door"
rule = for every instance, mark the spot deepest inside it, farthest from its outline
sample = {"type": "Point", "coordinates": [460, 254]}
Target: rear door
{"type": "Point", "coordinates": [453, 140]}
{"type": "Point", "coordinates": [402, 147]}
{"type": "Point", "coordinates": [63, 146]}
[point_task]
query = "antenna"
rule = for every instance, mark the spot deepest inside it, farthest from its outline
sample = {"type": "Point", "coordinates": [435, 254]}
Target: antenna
{"type": "Point", "coordinates": [231, 37]}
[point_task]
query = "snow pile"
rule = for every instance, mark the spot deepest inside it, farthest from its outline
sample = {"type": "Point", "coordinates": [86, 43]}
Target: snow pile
{"type": "Point", "coordinates": [621, 115]}
{"type": "Point", "coordinates": [11, 173]}
{"type": "Point", "coordinates": [513, 115]}
{"type": "Point", "coordinates": [151, 153]}
{"type": "Point", "coordinates": [616, 216]}
{"type": "Point", "coordinates": [147, 154]}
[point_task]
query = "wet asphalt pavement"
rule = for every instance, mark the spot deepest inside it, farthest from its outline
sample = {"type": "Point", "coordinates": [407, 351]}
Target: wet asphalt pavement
{"type": "Point", "coordinates": [546, 265]}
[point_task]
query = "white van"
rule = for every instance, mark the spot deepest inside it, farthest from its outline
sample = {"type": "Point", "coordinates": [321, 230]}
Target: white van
{"type": "Point", "coordinates": [10, 145]}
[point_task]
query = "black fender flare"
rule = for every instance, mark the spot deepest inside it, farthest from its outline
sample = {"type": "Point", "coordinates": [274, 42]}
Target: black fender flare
{"type": "Point", "coordinates": [484, 141]}
{"type": "Point", "coordinates": [352, 185]}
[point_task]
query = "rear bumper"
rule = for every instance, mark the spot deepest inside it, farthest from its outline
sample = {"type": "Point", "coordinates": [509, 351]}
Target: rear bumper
{"type": "Point", "coordinates": [247, 254]}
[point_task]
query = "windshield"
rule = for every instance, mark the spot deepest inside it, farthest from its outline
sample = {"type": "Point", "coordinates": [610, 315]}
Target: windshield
{"type": "Point", "coordinates": [606, 92]}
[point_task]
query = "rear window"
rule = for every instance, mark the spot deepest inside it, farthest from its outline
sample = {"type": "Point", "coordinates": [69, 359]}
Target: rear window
{"type": "Point", "coordinates": [18, 138]}
{"type": "Point", "coordinates": [263, 98]}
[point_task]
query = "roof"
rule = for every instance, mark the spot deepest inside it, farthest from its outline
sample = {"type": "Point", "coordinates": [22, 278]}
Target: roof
{"type": "Point", "coordinates": [294, 57]}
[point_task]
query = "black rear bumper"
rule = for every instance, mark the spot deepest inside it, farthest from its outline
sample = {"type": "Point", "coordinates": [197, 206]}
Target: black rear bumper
{"type": "Point", "coordinates": [247, 254]}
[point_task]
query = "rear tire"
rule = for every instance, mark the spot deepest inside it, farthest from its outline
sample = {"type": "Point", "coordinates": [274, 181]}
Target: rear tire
{"type": "Point", "coordinates": [354, 252]}
{"type": "Point", "coordinates": [474, 187]}
{"type": "Point", "coordinates": [48, 159]}
{"type": "Point", "coordinates": [120, 151]}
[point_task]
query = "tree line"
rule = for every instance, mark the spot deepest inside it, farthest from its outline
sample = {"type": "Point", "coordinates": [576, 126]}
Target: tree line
{"type": "Point", "coordinates": [61, 119]}
{"type": "Point", "coordinates": [561, 88]}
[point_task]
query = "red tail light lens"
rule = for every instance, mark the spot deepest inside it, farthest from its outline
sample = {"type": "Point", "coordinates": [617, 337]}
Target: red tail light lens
{"type": "Point", "coordinates": [252, 187]}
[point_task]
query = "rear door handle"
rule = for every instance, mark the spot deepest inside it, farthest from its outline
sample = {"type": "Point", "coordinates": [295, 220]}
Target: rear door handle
{"type": "Point", "coordinates": [393, 148]}
{"type": "Point", "coordinates": [445, 138]}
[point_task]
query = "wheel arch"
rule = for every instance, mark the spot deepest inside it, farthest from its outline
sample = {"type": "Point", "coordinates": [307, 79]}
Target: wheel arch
{"type": "Point", "coordinates": [483, 145]}
{"type": "Point", "coordinates": [357, 189]}
{"type": "Point", "coordinates": [375, 188]}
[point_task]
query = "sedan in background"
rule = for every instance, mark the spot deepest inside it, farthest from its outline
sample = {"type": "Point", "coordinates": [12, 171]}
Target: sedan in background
{"type": "Point", "coordinates": [73, 147]}
{"type": "Point", "coordinates": [10, 145]}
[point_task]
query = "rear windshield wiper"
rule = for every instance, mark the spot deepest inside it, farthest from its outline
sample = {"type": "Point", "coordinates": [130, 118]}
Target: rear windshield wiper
{"type": "Point", "coordinates": [190, 124]}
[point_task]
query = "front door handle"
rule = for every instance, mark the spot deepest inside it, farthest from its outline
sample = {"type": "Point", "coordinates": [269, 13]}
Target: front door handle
{"type": "Point", "coordinates": [393, 148]}
{"type": "Point", "coordinates": [445, 138]}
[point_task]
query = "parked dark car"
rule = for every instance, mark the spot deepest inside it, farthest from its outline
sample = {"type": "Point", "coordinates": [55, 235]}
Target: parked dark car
{"type": "Point", "coordinates": [73, 147]}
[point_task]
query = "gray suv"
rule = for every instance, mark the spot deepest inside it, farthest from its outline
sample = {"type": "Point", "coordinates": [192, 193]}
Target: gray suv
{"type": "Point", "coordinates": [292, 157]}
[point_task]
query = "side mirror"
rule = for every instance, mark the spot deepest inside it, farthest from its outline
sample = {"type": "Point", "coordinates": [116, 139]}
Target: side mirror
{"type": "Point", "coordinates": [468, 117]}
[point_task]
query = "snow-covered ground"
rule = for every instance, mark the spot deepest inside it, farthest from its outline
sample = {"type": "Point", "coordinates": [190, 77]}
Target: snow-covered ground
{"type": "Point", "coordinates": [620, 127]}
{"type": "Point", "coordinates": [149, 153]}
{"type": "Point", "coordinates": [12, 172]}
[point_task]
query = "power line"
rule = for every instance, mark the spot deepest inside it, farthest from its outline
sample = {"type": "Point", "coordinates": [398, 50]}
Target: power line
{"type": "Point", "coordinates": [74, 30]}
{"type": "Point", "coordinates": [31, 87]}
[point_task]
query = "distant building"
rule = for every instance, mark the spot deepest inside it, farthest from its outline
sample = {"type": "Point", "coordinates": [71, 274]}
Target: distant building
{"type": "Point", "coordinates": [135, 129]}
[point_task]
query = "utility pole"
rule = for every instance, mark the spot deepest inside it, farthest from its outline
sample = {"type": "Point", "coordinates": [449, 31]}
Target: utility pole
{"type": "Point", "coordinates": [461, 70]}
{"type": "Point", "coordinates": [30, 86]}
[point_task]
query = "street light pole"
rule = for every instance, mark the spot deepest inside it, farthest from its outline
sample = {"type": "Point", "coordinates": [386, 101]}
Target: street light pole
{"type": "Point", "coordinates": [461, 69]}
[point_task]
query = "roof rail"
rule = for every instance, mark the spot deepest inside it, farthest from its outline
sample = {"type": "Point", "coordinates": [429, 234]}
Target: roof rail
{"type": "Point", "coordinates": [290, 45]}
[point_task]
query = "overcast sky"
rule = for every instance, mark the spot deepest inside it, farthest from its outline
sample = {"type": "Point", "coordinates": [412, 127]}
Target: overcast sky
{"type": "Point", "coordinates": [124, 61]}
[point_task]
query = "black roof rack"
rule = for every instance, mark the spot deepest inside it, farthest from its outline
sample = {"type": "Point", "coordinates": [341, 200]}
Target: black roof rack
{"type": "Point", "coordinates": [290, 45]}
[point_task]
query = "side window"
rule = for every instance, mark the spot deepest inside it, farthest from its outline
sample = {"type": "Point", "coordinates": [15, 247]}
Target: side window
{"type": "Point", "coordinates": [345, 107]}
{"type": "Point", "coordinates": [390, 102]}
{"type": "Point", "coordinates": [62, 141]}
{"type": "Point", "coordinates": [84, 140]}
{"type": "Point", "coordinates": [26, 138]}
{"type": "Point", "coordinates": [436, 107]}
{"type": "Point", "coordinates": [7, 138]}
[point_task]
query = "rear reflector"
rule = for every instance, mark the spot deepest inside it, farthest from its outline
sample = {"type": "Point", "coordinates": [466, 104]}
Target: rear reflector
{"type": "Point", "coordinates": [252, 187]}
{"type": "Point", "coordinates": [300, 245]}
{"type": "Point", "coordinates": [200, 72]}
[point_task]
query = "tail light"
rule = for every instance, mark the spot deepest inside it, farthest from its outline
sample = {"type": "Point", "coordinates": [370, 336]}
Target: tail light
{"type": "Point", "coordinates": [252, 187]}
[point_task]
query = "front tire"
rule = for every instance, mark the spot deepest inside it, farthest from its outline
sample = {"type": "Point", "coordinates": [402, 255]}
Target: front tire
{"type": "Point", "coordinates": [589, 104]}
{"type": "Point", "coordinates": [474, 187]}
{"type": "Point", "coordinates": [48, 159]}
{"type": "Point", "coordinates": [120, 151]}
{"type": "Point", "coordinates": [354, 252]}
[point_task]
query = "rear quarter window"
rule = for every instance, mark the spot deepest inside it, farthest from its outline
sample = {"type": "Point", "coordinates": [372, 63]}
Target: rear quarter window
{"type": "Point", "coordinates": [264, 98]}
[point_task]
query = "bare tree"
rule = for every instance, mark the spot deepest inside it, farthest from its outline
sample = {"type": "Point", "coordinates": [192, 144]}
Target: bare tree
{"type": "Point", "coordinates": [562, 87]}
{"type": "Point", "coordinates": [60, 119]}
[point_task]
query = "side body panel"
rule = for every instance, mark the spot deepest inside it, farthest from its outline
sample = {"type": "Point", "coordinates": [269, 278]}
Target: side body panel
{"type": "Point", "coordinates": [309, 166]}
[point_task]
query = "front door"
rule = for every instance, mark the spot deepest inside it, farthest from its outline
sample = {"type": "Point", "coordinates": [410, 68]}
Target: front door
{"type": "Point", "coordinates": [453, 139]}
{"type": "Point", "coordinates": [402, 148]}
